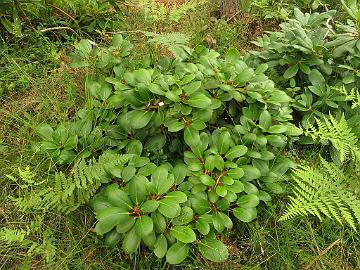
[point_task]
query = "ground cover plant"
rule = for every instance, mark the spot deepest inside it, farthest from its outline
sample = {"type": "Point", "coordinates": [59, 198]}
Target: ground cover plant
{"type": "Point", "coordinates": [190, 152]}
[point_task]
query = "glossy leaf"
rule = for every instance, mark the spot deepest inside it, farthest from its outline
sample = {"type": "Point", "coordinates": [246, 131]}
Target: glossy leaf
{"type": "Point", "coordinates": [183, 234]}
{"type": "Point", "coordinates": [213, 250]}
{"type": "Point", "coordinates": [177, 253]}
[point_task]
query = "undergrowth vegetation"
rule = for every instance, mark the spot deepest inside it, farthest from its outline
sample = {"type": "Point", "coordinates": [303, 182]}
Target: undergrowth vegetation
{"type": "Point", "coordinates": [168, 137]}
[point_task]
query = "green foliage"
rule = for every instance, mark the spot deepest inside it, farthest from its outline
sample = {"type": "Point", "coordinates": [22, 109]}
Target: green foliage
{"type": "Point", "coordinates": [211, 129]}
{"type": "Point", "coordinates": [311, 58]}
{"type": "Point", "coordinates": [10, 236]}
{"type": "Point", "coordinates": [159, 12]}
{"type": "Point", "coordinates": [181, 151]}
{"type": "Point", "coordinates": [269, 9]}
{"type": "Point", "coordinates": [316, 60]}
{"type": "Point", "coordinates": [67, 193]}
{"type": "Point", "coordinates": [299, 47]}
{"type": "Point", "coordinates": [322, 191]}
{"type": "Point", "coordinates": [175, 42]}
{"type": "Point", "coordinates": [76, 15]}
{"type": "Point", "coordinates": [352, 8]}
{"type": "Point", "coordinates": [353, 96]}
{"type": "Point", "coordinates": [88, 53]}
{"type": "Point", "coordinates": [339, 134]}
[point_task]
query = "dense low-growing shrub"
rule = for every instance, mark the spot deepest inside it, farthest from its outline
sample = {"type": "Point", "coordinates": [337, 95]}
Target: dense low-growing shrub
{"type": "Point", "coordinates": [200, 140]}
{"type": "Point", "coordinates": [313, 56]}
{"type": "Point", "coordinates": [317, 60]}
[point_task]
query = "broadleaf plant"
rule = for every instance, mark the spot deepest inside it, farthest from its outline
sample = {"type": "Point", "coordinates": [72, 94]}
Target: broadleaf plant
{"type": "Point", "coordinates": [202, 139]}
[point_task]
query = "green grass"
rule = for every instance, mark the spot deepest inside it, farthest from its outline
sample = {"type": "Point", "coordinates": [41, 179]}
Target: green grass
{"type": "Point", "coordinates": [36, 85]}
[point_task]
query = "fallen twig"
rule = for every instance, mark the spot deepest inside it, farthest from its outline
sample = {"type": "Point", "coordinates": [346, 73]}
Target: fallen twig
{"type": "Point", "coordinates": [322, 253]}
{"type": "Point", "coordinates": [59, 28]}
{"type": "Point", "coordinates": [63, 12]}
{"type": "Point", "coordinates": [233, 16]}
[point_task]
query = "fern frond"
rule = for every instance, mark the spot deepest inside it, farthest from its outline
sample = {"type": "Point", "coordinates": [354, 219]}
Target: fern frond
{"type": "Point", "coordinates": [158, 12]}
{"type": "Point", "coordinates": [175, 42]}
{"type": "Point", "coordinates": [338, 133]}
{"type": "Point", "coordinates": [68, 192]}
{"type": "Point", "coordinates": [13, 236]}
{"type": "Point", "coordinates": [177, 13]}
{"type": "Point", "coordinates": [353, 96]}
{"type": "Point", "coordinates": [85, 179]}
{"type": "Point", "coordinates": [322, 191]}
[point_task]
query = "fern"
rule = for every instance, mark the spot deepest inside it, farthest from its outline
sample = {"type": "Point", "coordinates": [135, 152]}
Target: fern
{"type": "Point", "coordinates": [153, 12]}
{"type": "Point", "coordinates": [21, 238]}
{"type": "Point", "coordinates": [338, 133]}
{"type": "Point", "coordinates": [177, 13]}
{"type": "Point", "coordinates": [353, 96]}
{"type": "Point", "coordinates": [69, 192]}
{"type": "Point", "coordinates": [158, 12]}
{"type": "Point", "coordinates": [175, 42]}
{"type": "Point", "coordinates": [322, 191]}
{"type": "Point", "coordinates": [13, 236]}
{"type": "Point", "coordinates": [26, 178]}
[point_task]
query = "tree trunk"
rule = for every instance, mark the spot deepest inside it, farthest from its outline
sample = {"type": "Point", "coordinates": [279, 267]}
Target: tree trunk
{"type": "Point", "coordinates": [230, 9]}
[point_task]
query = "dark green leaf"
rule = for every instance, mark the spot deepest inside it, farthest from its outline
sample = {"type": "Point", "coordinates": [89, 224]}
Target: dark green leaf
{"type": "Point", "coordinates": [131, 242]}
{"type": "Point", "coordinates": [144, 226]}
{"type": "Point", "coordinates": [199, 100]}
{"type": "Point", "coordinates": [251, 172]}
{"type": "Point", "coordinates": [185, 216]}
{"type": "Point", "coordinates": [147, 170]}
{"type": "Point", "coordinates": [138, 188]}
{"type": "Point", "coordinates": [192, 87]}
{"type": "Point", "coordinates": [156, 143]}
{"type": "Point", "coordinates": [316, 77]}
{"type": "Point", "coordinates": [149, 240]}
{"type": "Point", "coordinates": [112, 238]}
{"type": "Point", "coordinates": [108, 218]}
{"type": "Point", "coordinates": [200, 206]}
{"type": "Point", "coordinates": [245, 214]}
{"type": "Point", "coordinates": [169, 208]}
{"type": "Point", "coordinates": [161, 180]}
{"type": "Point", "coordinates": [134, 147]}
{"type": "Point", "coordinates": [128, 172]}
{"type": "Point", "coordinates": [159, 222]}
{"type": "Point", "coordinates": [177, 253]}
{"type": "Point", "coordinates": [291, 71]}
{"type": "Point", "coordinates": [277, 129]}
{"type": "Point", "coordinates": [180, 171]}
{"type": "Point", "coordinates": [207, 180]}
{"type": "Point", "coordinates": [265, 120]}
{"type": "Point", "coordinates": [149, 206]}
{"type": "Point", "coordinates": [213, 250]}
{"type": "Point", "coordinates": [183, 234]}
{"type": "Point", "coordinates": [191, 137]}
{"type": "Point", "coordinates": [160, 247]}
{"type": "Point", "coordinates": [236, 151]}
{"type": "Point", "coordinates": [223, 142]}
{"type": "Point", "coordinates": [202, 226]}
{"type": "Point", "coordinates": [175, 126]}
{"type": "Point", "coordinates": [117, 197]}
{"type": "Point", "coordinates": [236, 173]}
{"type": "Point", "coordinates": [138, 118]}
{"type": "Point", "coordinates": [125, 225]}
{"type": "Point", "coordinates": [248, 201]}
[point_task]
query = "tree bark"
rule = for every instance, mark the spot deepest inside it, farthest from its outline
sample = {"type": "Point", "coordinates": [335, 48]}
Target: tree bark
{"type": "Point", "coordinates": [229, 9]}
